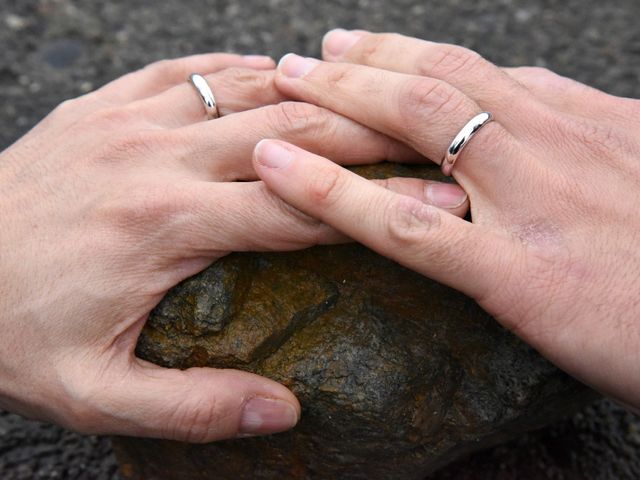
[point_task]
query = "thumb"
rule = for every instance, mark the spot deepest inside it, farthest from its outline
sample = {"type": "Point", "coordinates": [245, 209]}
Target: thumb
{"type": "Point", "coordinates": [197, 405]}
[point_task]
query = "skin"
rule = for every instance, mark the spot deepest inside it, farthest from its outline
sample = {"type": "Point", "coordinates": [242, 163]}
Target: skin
{"type": "Point", "coordinates": [554, 187]}
{"type": "Point", "coordinates": [116, 197]}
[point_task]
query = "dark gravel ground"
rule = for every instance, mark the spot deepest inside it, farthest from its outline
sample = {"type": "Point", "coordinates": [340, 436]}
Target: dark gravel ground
{"type": "Point", "coordinates": [57, 49]}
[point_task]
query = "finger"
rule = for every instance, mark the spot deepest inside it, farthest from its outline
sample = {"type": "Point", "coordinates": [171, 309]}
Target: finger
{"type": "Point", "coordinates": [222, 149]}
{"type": "Point", "coordinates": [568, 96]}
{"type": "Point", "coordinates": [195, 405]}
{"type": "Point", "coordinates": [428, 240]}
{"type": "Point", "coordinates": [235, 90]}
{"type": "Point", "coordinates": [423, 112]}
{"type": "Point", "coordinates": [465, 69]}
{"type": "Point", "coordinates": [447, 196]}
{"type": "Point", "coordinates": [204, 220]}
{"type": "Point", "coordinates": [258, 220]}
{"type": "Point", "coordinates": [159, 76]}
{"type": "Point", "coordinates": [141, 84]}
{"type": "Point", "coordinates": [215, 219]}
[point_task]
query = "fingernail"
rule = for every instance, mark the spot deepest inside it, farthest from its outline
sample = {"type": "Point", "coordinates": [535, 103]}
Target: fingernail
{"type": "Point", "coordinates": [272, 154]}
{"type": "Point", "coordinates": [445, 195]}
{"type": "Point", "coordinates": [338, 41]}
{"type": "Point", "coordinates": [295, 66]}
{"type": "Point", "coordinates": [264, 415]}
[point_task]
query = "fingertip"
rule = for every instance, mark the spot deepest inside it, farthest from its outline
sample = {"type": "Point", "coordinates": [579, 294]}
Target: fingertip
{"type": "Point", "coordinates": [328, 41]}
{"type": "Point", "coordinates": [449, 196]}
{"type": "Point", "coordinates": [247, 404]}
{"type": "Point", "coordinates": [261, 62]}
{"type": "Point", "coordinates": [337, 42]}
{"type": "Point", "coordinates": [272, 154]}
{"type": "Point", "coordinates": [272, 408]}
{"type": "Point", "coordinates": [294, 66]}
{"type": "Point", "coordinates": [284, 59]}
{"type": "Point", "coordinates": [261, 416]}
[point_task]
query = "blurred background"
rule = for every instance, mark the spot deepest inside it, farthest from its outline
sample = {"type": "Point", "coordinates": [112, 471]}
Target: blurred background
{"type": "Point", "coordinates": [57, 49]}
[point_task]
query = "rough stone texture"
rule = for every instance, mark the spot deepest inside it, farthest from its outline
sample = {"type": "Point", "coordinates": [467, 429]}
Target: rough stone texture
{"type": "Point", "coordinates": [397, 374]}
{"type": "Point", "coordinates": [56, 49]}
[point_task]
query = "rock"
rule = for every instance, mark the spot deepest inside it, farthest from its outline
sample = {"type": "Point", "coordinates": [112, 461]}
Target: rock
{"type": "Point", "coordinates": [62, 53]}
{"type": "Point", "coordinates": [397, 375]}
{"type": "Point", "coordinates": [15, 22]}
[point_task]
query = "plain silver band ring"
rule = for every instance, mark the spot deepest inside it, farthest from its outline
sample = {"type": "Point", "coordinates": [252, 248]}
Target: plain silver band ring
{"type": "Point", "coordinates": [206, 94]}
{"type": "Point", "coordinates": [462, 139]}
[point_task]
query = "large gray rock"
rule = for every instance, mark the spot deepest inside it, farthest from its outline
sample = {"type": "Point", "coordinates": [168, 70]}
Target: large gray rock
{"type": "Point", "coordinates": [397, 374]}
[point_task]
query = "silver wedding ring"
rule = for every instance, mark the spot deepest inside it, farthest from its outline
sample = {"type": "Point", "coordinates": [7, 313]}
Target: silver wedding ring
{"type": "Point", "coordinates": [206, 94]}
{"type": "Point", "coordinates": [462, 139]}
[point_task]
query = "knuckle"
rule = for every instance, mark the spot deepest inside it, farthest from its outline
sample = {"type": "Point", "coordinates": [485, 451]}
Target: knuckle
{"type": "Point", "coordinates": [65, 108]}
{"type": "Point", "coordinates": [374, 47]}
{"type": "Point", "coordinates": [601, 137]}
{"type": "Point", "coordinates": [535, 72]}
{"type": "Point", "coordinates": [423, 99]}
{"type": "Point", "coordinates": [410, 222]}
{"type": "Point", "coordinates": [447, 60]}
{"type": "Point", "coordinates": [533, 76]}
{"type": "Point", "coordinates": [340, 77]}
{"type": "Point", "coordinates": [298, 118]}
{"type": "Point", "coordinates": [324, 187]}
{"type": "Point", "coordinates": [161, 68]}
{"type": "Point", "coordinates": [544, 78]}
{"type": "Point", "coordinates": [430, 98]}
{"type": "Point", "coordinates": [164, 73]}
{"type": "Point", "coordinates": [255, 81]}
{"type": "Point", "coordinates": [347, 78]}
{"type": "Point", "coordinates": [67, 113]}
{"type": "Point", "coordinates": [194, 419]}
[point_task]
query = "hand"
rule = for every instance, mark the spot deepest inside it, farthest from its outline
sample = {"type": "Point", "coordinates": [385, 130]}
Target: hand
{"type": "Point", "coordinates": [554, 186]}
{"type": "Point", "coordinates": [118, 196]}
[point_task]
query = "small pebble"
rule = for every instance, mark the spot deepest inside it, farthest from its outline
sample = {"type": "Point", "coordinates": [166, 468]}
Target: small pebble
{"type": "Point", "coordinates": [15, 22]}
